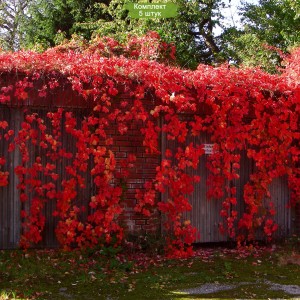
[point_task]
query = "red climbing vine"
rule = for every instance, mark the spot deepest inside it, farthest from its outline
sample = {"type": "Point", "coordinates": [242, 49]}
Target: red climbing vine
{"type": "Point", "coordinates": [242, 110]}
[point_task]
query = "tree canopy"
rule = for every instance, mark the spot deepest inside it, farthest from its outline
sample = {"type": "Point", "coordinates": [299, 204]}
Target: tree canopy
{"type": "Point", "coordinates": [265, 27]}
{"type": "Point", "coordinates": [270, 29]}
{"type": "Point", "coordinates": [49, 22]}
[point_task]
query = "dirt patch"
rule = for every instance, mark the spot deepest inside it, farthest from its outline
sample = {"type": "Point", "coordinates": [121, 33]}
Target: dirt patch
{"type": "Point", "coordinates": [287, 288]}
{"type": "Point", "coordinates": [209, 288]}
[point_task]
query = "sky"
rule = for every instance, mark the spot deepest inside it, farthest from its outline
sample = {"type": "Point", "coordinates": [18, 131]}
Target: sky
{"type": "Point", "coordinates": [231, 13]}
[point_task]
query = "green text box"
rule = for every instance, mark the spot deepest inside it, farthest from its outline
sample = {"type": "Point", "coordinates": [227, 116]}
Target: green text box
{"type": "Point", "coordinates": [151, 10]}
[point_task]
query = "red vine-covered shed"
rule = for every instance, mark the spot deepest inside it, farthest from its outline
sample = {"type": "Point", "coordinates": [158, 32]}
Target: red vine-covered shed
{"type": "Point", "coordinates": [93, 147]}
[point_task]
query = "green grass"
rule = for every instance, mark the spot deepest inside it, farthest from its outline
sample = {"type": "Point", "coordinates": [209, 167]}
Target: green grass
{"type": "Point", "coordinates": [58, 275]}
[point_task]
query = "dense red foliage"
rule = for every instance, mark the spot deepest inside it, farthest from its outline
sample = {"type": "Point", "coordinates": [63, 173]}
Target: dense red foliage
{"type": "Point", "coordinates": [242, 109]}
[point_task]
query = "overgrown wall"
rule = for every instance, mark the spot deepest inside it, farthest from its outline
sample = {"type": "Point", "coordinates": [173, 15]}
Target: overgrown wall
{"type": "Point", "coordinates": [242, 110]}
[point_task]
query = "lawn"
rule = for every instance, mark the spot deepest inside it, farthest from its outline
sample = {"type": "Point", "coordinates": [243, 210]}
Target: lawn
{"type": "Point", "coordinates": [105, 274]}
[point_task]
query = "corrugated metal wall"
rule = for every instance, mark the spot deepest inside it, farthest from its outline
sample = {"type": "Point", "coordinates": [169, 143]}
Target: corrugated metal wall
{"type": "Point", "coordinates": [205, 214]}
{"type": "Point", "coordinates": [10, 204]}
{"type": "Point", "coordinates": [280, 196]}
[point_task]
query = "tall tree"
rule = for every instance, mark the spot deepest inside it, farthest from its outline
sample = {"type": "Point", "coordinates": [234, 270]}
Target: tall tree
{"type": "Point", "coordinates": [12, 14]}
{"type": "Point", "coordinates": [191, 30]}
{"type": "Point", "coordinates": [275, 21]}
{"type": "Point", "coordinates": [267, 25]}
{"type": "Point", "coordinates": [48, 20]}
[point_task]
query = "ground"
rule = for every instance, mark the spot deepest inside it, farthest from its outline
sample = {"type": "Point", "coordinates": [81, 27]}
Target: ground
{"type": "Point", "coordinates": [267, 272]}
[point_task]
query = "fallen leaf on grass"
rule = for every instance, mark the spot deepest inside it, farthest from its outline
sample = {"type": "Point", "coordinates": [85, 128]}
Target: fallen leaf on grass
{"type": "Point", "coordinates": [131, 287]}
